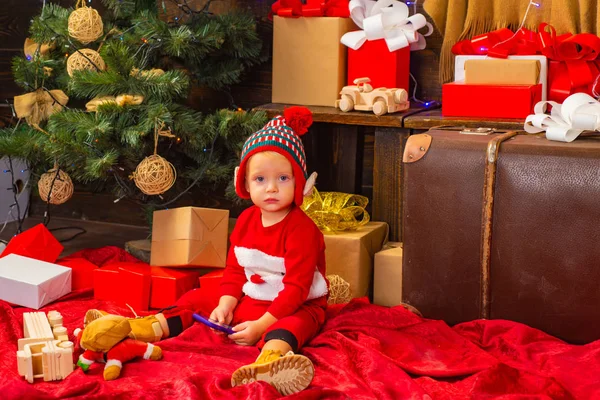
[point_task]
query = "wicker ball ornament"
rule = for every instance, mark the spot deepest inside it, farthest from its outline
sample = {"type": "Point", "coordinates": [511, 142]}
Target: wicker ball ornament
{"type": "Point", "coordinates": [154, 175]}
{"type": "Point", "coordinates": [84, 59]}
{"type": "Point", "coordinates": [55, 189]}
{"type": "Point", "coordinates": [85, 25]}
{"type": "Point", "coordinates": [339, 290]}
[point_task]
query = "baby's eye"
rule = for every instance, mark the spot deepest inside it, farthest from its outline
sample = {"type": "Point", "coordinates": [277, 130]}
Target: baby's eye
{"type": "Point", "coordinates": [284, 178]}
{"type": "Point", "coordinates": [259, 179]}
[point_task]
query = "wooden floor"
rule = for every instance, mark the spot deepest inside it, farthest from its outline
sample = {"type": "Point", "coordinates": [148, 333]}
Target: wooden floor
{"type": "Point", "coordinates": [97, 234]}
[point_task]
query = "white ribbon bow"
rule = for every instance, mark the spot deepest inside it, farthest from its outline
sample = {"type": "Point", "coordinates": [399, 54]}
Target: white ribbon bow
{"type": "Point", "coordinates": [579, 112]}
{"type": "Point", "coordinates": [386, 19]}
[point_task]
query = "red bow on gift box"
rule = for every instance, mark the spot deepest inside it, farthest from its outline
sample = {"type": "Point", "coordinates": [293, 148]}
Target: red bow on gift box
{"type": "Point", "coordinates": [499, 43]}
{"type": "Point", "coordinates": [312, 8]}
{"type": "Point", "coordinates": [572, 68]}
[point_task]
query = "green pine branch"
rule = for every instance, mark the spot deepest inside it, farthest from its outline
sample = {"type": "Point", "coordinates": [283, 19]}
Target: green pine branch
{"type": "Point", "coordinates": [51, 25]}
{"type": "Point", "coordinates": [166, 87]}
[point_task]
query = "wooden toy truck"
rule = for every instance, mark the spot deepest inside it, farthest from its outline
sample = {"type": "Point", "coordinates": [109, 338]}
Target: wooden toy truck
{"type": "Point", "coordinates": [45, 351]}
{"type": "Point", "coordinates": [363, 97]}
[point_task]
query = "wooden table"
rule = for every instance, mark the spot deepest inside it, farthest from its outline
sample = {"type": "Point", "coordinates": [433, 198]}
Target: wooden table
{"type": "Point", "coordinates": [428, 119]}
{"type": "Point", "coordinates": [335, 150]}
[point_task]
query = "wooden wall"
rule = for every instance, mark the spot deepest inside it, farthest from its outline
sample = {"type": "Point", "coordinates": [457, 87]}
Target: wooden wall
{"type": "Point", "coordinates": [254, 90]}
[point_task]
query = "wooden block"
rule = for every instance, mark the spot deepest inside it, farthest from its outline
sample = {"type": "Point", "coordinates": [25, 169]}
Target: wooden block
{"type": "Point", "coordinates": [50, 360]}
{"type": "Point", "coordinates": [36, 328]}
{"type": "Point", "coordinates": [57, 360]}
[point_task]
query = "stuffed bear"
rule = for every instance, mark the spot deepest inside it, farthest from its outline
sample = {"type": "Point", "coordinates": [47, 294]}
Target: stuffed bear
{"type": "Point", "coordinates": [106, 339]}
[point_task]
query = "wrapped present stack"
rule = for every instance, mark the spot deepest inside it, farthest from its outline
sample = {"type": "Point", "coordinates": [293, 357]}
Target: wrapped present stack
{"type": "Point", "coordinates": [187, 243]}
{"type": "Point", "coordinates": [189, 248]}
{"type": "Point", "coordinates": [502, 74]}
{"type": "Point", "coordinates": [311, 34]}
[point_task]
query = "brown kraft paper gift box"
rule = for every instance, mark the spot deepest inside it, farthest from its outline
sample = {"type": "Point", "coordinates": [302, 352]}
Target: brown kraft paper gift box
{"type": "Point", "coordinates": [490, 71]}
{"type": "Point", "coordinates": [350, 255]}
{"type": "Point", "coordinates": [189, 237]}
{"type": "Point", "coordinates": [387, 281]}
{"type": "Point", "coordinates": [309, 62]}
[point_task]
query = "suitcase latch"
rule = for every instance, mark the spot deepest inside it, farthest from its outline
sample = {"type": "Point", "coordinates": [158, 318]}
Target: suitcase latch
{"type": "Point", "coordinates": [478, 131]}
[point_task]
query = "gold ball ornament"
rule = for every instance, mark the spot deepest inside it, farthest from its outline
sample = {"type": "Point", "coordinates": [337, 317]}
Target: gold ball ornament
{"type": "Point", "coordinates": [154, 175]}
{"type": "Point", "coordinates": [55, 189]}
{"type": "Point", "coordinates": [85, 25]}
{"type": "Point", "coordinates": [84, 59]}
{"type": "Point", "coordinates": [339, 290]}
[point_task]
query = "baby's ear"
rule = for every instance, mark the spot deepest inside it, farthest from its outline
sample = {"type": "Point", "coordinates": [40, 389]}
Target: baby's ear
{"type": "Point", "coordinates": [310, 184]}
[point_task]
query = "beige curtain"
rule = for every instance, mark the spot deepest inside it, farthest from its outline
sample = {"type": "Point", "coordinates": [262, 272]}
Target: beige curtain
{"type": "Point", "coordinates": [463, 19]}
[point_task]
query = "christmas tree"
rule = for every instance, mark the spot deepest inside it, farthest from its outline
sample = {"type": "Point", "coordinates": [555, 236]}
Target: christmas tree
{"type": "Point", "coordinates": [103, 98]}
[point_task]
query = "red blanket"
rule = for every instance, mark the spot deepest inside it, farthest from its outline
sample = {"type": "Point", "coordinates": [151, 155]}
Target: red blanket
{"type": "Point", "coordinates": [363, 352]}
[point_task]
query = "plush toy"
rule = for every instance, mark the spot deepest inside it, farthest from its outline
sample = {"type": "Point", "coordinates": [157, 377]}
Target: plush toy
{"type": "Point", "coordinates": [151, 328]}
{"type": "Point", "coordinates": [107, 339]}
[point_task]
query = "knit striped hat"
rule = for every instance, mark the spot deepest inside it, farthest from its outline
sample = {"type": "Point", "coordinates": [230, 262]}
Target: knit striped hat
{"type": "Point", "coordinates": [281, 135]}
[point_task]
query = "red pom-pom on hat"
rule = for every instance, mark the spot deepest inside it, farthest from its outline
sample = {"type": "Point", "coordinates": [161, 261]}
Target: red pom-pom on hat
{"type": "Point", "coordinates": [298, 118]}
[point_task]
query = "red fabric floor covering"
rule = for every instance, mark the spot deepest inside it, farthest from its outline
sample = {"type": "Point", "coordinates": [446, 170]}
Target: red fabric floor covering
{"type": "Point", "coordinates": [363, 352]}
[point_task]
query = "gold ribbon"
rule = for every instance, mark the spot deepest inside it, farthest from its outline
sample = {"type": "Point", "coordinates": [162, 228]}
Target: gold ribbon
{"type": "Point", "coordinates": [336, 212]}
{"type": "Point", "coordinates": [37, 106]}
{"type": "Point", "coordinates": [121, 100]}
{"type": "Point", "coordinates": [30, 47]}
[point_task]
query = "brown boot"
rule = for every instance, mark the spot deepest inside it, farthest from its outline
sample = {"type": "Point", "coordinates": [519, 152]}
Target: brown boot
{"type": "Point", "coordinates": [290, 373]}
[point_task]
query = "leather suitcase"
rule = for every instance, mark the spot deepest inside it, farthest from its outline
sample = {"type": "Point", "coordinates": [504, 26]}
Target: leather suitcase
{"type": "Point", "coordinates": [503, 226]}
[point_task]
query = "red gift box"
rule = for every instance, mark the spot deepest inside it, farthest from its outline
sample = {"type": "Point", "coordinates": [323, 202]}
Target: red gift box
{"type": "Point", "coordinates": [82, 272]}
{"type": "Point", "coordinates": [125, 283]}
{"type": "Point", "coordinates": [107, 283]}
{"type": "Point", "coordinates": [135, 280]}
{"type": "Point", "coordinates": [37, 243]}
{"type": "Point", "coordinates": [211, 283]}
{"type": "Point", "coordinates": [510, 101]}
{"type": "Point", "coordinates": [374, 60]}
{"type": "Point", "coordinates": [169, 284]}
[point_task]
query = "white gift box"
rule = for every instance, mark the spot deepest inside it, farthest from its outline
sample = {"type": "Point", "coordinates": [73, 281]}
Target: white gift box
{"type": "Point", "coordinates": [32, 283]}
{"type": "Point", "coordinates": [19, 180]}
{"type": "Point", "coordinates": [459, 68]}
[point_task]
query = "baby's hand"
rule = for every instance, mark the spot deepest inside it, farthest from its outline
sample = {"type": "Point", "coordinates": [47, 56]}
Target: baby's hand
{"type": "Point", "coordinates": [221, 315]}
{"type": "Point", "coordinates": [247, 333]}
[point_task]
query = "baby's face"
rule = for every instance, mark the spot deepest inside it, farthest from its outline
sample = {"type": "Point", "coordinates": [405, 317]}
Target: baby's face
{"type": "Point", "coordinates": [270, 181]}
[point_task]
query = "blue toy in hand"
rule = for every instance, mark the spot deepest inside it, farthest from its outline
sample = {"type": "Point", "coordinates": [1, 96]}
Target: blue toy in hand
{"type": "Point", "coordinates": [214, 325]}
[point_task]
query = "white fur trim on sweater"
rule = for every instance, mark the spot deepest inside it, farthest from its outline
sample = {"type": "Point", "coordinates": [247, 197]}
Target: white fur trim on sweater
{"type": "Point", "coordinates": [271, 269]}
{"type": "Point", "coordinates": [85, 361]}
{"type": "Point", "coordinates": [148, 352]}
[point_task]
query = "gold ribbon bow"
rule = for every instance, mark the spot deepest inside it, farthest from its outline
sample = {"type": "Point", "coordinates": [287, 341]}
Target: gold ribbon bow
{"type": "Point", "coordinates": [37, 106]}
{"type": "Point", "coordinates": [121, 100]}
{"type": "Point", "coordinates": [336, 212]}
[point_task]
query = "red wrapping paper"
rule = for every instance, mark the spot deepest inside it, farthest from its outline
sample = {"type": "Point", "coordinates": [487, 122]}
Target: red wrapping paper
{"type": "Point", "coordinates": [516, 101]}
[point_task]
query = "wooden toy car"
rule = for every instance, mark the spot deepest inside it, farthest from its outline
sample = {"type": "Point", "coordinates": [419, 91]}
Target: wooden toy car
{"type": "Point", "coordinates": [363, 97]}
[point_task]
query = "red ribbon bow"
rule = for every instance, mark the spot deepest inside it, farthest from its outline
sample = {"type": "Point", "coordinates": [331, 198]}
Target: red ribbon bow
{"type": "Point", "coordinates": [312, 8]}
{"type": "Point", "coordinates": [573, 69]}
{"type": "Point", "coordinates": [500, 44]}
